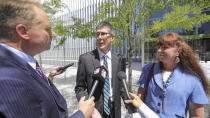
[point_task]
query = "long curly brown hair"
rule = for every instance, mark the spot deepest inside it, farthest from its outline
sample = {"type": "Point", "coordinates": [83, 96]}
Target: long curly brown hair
{"type": "Point", "coordinates": [188, 59]}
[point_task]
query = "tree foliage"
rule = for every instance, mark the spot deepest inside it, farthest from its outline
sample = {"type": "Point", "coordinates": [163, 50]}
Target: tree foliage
{"type": "Point", "coordinates": [137, 20]}
{"type": "Point", "coordinates": [52, 7]}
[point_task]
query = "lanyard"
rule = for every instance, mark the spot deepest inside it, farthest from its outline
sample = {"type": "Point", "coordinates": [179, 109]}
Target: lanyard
{"type": "Point", "coordinates": [165, 85]}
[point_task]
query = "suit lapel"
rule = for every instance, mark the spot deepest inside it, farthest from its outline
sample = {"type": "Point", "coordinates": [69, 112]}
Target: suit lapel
{"type": "Point", "coordinates": [60, 101]}
{"type": "Point", "coordinates": [16, 60]}
{"type": "Point", "coordinates": [13, 58]}
{"type": "Point", "coordinates": [114, 61]}
{"type": "Point", "coordinates": [95, 58]}
{"type": "Point", "coordinates": [9, 56]}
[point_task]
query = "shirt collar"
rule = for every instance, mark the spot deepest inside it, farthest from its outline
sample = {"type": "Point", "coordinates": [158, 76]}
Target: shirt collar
{"type": "Point", "coordinates": [29, 59]}
{"type": "Point", "coordinates": [101, 54]}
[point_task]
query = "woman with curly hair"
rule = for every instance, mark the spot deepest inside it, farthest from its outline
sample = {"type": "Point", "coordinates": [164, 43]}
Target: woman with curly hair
{"type": "Point", "coordinates": [177, 82]}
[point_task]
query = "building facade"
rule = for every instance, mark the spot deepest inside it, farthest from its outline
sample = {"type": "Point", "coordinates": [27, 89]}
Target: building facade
{"type": "Point", "coordinates": [72, 48]}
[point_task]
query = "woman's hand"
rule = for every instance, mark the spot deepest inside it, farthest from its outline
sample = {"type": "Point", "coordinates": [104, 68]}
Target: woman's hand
{"type": "Point", "coordinates": [141, 93]}
{"type": "Point", "coordinates": [55, 72]}
{"type": "Point", "coordinates": [136, 101]}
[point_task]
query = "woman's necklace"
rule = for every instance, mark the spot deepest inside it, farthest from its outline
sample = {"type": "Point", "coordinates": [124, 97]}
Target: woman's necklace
{"type": "Point", "coordinates": [165, 85]}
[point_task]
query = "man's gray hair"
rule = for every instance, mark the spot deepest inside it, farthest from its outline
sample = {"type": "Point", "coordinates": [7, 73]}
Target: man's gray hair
{"type": "Point", "coordinates": [106, 24]}
{"type": "Point", "coordinates": [14, 12]}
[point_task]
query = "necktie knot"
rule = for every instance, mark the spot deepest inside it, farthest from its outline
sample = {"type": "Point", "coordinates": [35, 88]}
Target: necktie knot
{"type": "Point", "coordinates": [41, 73]}
{"type": "Point", "coordinates": [105, 57]}
{"type": "Point", "coordinates": [37, 66]}
{"type": "Point", "coordinates": [105, 61]}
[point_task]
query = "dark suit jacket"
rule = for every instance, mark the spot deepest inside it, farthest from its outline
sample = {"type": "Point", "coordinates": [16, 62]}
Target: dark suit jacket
{"type": "Point", "coordinates": [87, 64]}
{"type": "Point", "coordinates": [24, 94]}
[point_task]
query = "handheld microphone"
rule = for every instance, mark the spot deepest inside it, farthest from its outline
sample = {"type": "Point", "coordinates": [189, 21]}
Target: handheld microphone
{"type": "Point", "coordinates": [122, 76]}
{"type": "Point", "coordinates": [65, 67]}
{"type": "Point", "coordinates": [98, 80]}
{"type": "Point", "coordinates": [95, 84]}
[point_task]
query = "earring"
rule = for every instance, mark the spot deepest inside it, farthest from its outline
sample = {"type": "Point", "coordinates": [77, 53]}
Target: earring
{"type": "Point", "coordinates": [177, 59]}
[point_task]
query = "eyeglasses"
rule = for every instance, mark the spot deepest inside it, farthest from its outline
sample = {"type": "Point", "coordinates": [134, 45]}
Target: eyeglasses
{"type": "Point", "coordinates": [102, 34]}
{"type": "Point", "coordinates": [164, 47]}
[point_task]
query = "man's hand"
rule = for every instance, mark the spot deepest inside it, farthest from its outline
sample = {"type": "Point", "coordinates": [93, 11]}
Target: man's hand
{"type": "Point", "coordinates": [55, 72]}
{"type": "Point", "coordinates": [96, 114]}
{"type": "Point", "coordinates": [87, 106]}
{"type": "Point", "coordinates": [136, 101]}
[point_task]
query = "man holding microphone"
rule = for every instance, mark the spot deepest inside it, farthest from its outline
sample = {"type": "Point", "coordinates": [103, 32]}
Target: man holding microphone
{"type": "Point", "coordinates": [25, 91]}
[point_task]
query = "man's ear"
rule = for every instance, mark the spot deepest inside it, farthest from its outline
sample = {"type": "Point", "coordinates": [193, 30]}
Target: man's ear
{"type": "Point", "coordinates": [113, 37]}
{"type": "Point", "coordinates": [22, 31]}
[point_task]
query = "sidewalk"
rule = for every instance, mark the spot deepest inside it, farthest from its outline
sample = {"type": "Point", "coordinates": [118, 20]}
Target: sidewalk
{"type": "Point", "coordinates": [66, 83]}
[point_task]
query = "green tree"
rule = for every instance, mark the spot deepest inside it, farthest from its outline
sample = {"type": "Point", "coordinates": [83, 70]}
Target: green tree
{"type": "Point", "coordinates": [132, 21]}
{"type": "Point", "coordinates": [53, 7]}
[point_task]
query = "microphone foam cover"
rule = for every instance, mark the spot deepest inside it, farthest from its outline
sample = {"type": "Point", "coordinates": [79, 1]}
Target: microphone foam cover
{"type": "Point", "coordinates": [121, 75]}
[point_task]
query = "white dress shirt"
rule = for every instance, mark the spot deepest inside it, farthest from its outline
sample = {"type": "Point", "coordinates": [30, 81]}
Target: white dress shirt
{"type": "Point", "coordinates": [101, 56]}
{"type": "Point", "coordinates": [29, 59]}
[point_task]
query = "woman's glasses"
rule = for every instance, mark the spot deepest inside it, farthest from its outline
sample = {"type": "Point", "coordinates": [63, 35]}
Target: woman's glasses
{"type": "Point", "coordinates": [163, 47]}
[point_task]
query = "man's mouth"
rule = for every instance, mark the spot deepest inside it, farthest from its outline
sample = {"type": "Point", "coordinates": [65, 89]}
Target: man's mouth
{"type": "Point", "coordinates": [100, 43]}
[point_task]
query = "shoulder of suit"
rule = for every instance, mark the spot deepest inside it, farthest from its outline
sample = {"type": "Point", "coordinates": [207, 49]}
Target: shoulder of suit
{"type": "Point", "coordinates": [90, 53]}
{"type": "Point", "coordinates": [95, 53]}
{"type": "Point", "coordinates": [118, 55]}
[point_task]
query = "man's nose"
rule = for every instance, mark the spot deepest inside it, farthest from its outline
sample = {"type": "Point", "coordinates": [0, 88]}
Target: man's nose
{"type": "Point", "coordinates": [53, 34]}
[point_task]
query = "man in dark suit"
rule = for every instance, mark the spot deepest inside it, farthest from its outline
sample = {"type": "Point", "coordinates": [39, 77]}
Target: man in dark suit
{"type": "Point", "coordinates": [89, 61]}
{"type": "Point", "coordinates": [25, 92]}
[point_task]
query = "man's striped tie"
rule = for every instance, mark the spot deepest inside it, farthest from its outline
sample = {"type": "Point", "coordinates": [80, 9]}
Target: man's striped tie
{"type": "Point", "coordinates": [107, 106]}
{"type": "Point", "coordinates": [41, 73]}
